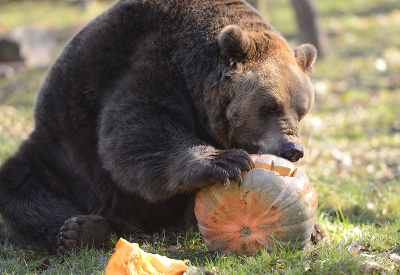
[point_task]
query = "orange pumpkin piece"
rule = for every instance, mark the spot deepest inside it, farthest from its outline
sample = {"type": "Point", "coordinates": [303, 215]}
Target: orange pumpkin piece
{"type": "Point", "coordinates": [129, 259]}
{"type": "Point", "coordinates": [275, 206]}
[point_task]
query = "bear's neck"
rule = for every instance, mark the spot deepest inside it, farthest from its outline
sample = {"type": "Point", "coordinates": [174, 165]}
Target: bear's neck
{"type": "Point", "coordinates": [197, 59]}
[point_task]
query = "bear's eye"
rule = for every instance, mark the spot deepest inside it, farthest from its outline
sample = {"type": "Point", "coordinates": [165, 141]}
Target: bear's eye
{"type": "Point", "coordinates": [268, 110]}
{"type": "Point", "coordinates": [301, 113]}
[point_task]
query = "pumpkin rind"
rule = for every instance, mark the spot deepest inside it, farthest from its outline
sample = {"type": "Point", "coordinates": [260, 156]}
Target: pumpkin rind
{"type": "Point", "coordinates": [267, 211]}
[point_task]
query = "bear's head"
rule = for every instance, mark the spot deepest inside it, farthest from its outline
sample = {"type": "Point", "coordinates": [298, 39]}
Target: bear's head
{"type": "Point", "coordinates": [262, 92]}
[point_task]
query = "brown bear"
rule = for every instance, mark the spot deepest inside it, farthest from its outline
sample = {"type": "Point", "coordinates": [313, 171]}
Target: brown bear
{"type": "Point", "coordinates": [148, 103]}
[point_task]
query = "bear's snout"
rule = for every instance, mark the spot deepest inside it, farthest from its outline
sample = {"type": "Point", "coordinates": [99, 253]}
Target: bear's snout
{"type": "Point", "coordinates": [292, 151]}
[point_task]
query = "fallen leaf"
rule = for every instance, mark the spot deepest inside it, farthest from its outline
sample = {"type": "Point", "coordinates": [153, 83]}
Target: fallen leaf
{"type": "Point", "coordinates": [374, 268]}
{"type": "Point", "coordinates": [358, 249]}
{"type": "Point", "coordinates": [277, 263]}
{"type": "Point", "coordinates": [395, 257]}
{"type": "Point", "coordinates": [45, 264]}
{"type": "Point", "coordinates": [307, 265]}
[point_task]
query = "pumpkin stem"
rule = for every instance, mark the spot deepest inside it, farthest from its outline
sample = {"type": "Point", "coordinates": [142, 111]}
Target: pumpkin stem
{"type": "Point", "coordinates": [245, 232]}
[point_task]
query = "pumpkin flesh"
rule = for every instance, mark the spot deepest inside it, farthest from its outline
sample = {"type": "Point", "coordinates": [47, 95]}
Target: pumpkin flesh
{"type": "Point", "coordinates": [129, 259]}
{"type": "Point", "coordinates": [276, 205]}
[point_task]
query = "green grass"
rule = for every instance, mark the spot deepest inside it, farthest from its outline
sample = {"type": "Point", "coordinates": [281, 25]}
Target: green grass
{"type": "Point", "coordinates": [351, 139]}
{"type": "Point", "coordinates": [47, 14]}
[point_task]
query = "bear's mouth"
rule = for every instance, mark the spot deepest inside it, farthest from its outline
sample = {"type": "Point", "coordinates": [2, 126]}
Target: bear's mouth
{"type": "Point", "coordinates": [290, 151]}
{"type": "Point", "coordinates": [261, 150]}
{"type": "Point", "coordinates": [291, 155]}
{"type": "Point", "coordinates": [256, 149]}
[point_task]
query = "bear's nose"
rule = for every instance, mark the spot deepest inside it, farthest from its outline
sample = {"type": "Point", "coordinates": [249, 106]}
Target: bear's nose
{"type": "Point", "coordinates": [292, 151]}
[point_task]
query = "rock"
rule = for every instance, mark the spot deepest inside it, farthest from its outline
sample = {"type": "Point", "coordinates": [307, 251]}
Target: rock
{"type": "Point", "coordinates": [33, 46]}
{"type": "Point", "coordinates": [6, 71]}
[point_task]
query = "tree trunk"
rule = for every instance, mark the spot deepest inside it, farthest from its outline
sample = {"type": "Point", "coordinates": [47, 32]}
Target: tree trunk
{"type": "Point", "coordinates": [310, 30]}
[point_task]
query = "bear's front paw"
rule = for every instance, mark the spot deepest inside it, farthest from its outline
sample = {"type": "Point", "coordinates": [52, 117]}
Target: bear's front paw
{"type": "Point", "coordinates": [231, 163]}
{"type": "Point", "coordinates": [81, 231]}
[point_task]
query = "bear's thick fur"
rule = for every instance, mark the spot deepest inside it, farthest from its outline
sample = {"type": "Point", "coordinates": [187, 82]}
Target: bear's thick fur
{"type": "Point", "coordinates": [149, 102]}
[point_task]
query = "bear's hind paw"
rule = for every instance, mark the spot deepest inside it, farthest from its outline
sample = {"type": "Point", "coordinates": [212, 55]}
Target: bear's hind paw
{"type": "Point", "coordinates": [82, 231]}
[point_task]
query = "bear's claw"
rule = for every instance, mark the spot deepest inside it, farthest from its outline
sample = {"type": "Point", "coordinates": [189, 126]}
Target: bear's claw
{"type": "Point", "coordinates": [233, 162]}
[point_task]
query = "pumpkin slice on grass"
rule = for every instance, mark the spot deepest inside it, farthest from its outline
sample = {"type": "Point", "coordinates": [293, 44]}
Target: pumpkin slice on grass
{"type": "Point", "coordinates": [129, 259]}
{"type": "Point", "coordinates": [275, 206]}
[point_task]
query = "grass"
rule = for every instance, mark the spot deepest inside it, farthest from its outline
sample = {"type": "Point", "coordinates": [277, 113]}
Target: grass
{"type": "Point", "coordinates": [351, 139]}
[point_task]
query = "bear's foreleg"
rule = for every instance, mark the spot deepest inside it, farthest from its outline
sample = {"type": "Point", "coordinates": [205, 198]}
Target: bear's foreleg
{"type": "Point", "coordinates": [152, 150]}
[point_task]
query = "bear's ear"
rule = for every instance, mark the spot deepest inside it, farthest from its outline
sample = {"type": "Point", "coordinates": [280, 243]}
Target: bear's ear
{"type": "Point", "coordinates": [305, 56]}
{"type": "Point", "coordinates": [233, 42]}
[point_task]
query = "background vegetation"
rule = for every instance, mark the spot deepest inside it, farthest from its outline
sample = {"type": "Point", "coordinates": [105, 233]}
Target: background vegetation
{"type": "Point", "coordinates": [351, 138]}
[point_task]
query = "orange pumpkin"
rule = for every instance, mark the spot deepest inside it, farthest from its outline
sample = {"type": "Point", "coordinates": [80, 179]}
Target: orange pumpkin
{"type": "Point", "coordinates": [129, 259]}
{"type": "Point", "coordinates": [275, 206]}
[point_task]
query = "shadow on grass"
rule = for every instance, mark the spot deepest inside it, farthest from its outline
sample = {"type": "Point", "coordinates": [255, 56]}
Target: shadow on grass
{"type": "Point", "coordinates": [356, 214]}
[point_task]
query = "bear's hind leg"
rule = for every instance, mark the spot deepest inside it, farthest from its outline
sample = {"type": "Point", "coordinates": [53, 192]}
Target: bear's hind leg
{"type": "Point", "coordinates": [33, 208]}
{"type": "Point", "coordinates": [35, 218]}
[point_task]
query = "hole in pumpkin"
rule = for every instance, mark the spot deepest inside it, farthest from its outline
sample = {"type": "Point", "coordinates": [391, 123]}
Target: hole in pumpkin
{"type": "Point", "coordinates": [281, 170]}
